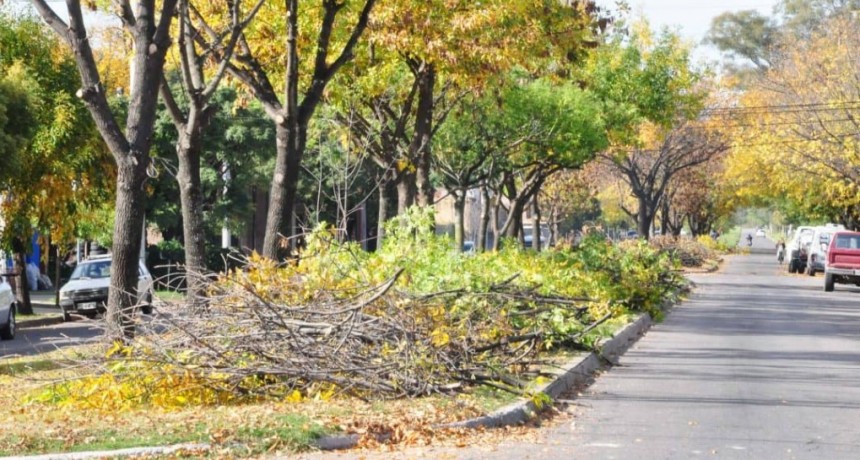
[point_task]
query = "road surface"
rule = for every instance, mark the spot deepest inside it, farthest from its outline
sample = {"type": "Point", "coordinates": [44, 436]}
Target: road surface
{"type": "Point", "coordinates": [757, 364]}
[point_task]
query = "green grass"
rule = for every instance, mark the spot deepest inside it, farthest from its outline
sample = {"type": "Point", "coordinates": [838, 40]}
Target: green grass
{"type": "Point", "coordinates": [292, 431]}
{"type": "Point", "coordinates": [26, 367]}
{"type": "Point", "coordinates": [170, 296]}
{"type": "Point", "coordinates": [106, 440]}
{"type": "Point", "coordinates": [731, 237]}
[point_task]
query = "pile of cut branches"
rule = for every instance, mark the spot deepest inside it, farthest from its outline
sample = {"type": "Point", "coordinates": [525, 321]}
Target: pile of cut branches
{"type": "Point", "coordinates": [414, 317]}
{"type": "Point", "coordinates": [370, 341]}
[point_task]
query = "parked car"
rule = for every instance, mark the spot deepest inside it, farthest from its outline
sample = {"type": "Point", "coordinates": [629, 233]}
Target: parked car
{"type": "Point", "coordinates": [87, 289]}
{"type": "Point", "coordinates": [843, 260]}
{"type": "Point", "coordinates": [798, 249]}
{"type": "Point", "coordinates": [7, 310]}
{"type": "Point", "coordinates": [817, 252]}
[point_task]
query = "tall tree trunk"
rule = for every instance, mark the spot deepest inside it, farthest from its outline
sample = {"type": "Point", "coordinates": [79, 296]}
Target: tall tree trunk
{"type": "Point", "coordinates": [127, 235]}
{"type": "Point", "coordinates": [405, 191]}
{"type": "Point", "coordinates": [421, 142]}
{"type": "Point", "coordinates": [57, 277]}
{"type": "Point", "coordinates": [495, 207]}
{"type": "Point", "coordinates": [481, 241]}
{"type": "Point", "coordinates": [553, 225]}
{"type": "Point", "coordinates": [665, 217]}
{"type": "Point", "coordinates": [193, 226]}
{"type": "Point", "coordinates": [459, 217]}
{"type": "Point", "coordinates": [515, 228]}
{"type": "Point", "coordinates": [536, 230]}
{"type": "Point", "coordinates": [291, 145]}
{"type": "Point", "coordinates": [382, 215]}
{"type": "Point", "coordinates": [22, 287]}
{"type": "Point", "coordinates": [644, 218]}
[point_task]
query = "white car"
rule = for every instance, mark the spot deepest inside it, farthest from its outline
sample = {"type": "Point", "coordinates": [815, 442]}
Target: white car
{"type": "Point", "coordinates": [87, 289]}
{"type": "Point", "coordinates": [7, 310]}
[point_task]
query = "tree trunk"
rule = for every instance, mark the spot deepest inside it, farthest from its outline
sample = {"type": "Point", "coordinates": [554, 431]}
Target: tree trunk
{"type": "Point", "coordinates": [645, 218]}
{"type": "Point", "coordinates": [57, 263]}
{"type": "Point", "coordinates": [127, 234]}
{"type": "Point", "coordinates": [536, 230]}
{"type": "Point", "coordinates": [405, 191]}
{"type": "Point", "coordinates": [382, 213]}
{"type": "Point", "coordinates": [193, 226]}
{"type": "Point", "coordinates": [421, 142]}
{"type": "Point", "coordinates": [481, 241]}
{"type": "Point", "coordinates": [665, 217]}
{"type": "Point", "coordinates": [553, 225]}
{"type": "Point", "coordinates": [22, 287]}
{"type": "Point", "coordinates": [291, 146]}
{"type": "Point", "coordinates": [459, 217]}
{"type": "Point", "coordinates": [494, 220]}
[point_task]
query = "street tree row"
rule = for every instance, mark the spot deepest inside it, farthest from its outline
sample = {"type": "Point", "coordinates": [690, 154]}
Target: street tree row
{"type": "Point", "coordinates": [498, 96]}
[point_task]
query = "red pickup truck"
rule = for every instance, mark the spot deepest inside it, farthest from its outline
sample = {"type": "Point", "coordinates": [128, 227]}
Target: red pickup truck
{"type": "Point", "coordinates": [843, 260]}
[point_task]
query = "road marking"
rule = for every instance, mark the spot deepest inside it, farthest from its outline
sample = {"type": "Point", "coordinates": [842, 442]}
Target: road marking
{"type": "Point", "coordinates": [604, 444]}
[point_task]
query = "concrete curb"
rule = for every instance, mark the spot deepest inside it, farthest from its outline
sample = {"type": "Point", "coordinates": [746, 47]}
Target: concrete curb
{"type": "Point", "coordinates": [577, 372]}
{"type": "Point", "coordinates": [131, 452]}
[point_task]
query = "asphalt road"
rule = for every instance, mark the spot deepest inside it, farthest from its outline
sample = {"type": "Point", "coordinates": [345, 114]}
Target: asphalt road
{"type": "Point", "coordinates": [36, 340]}
{"type": "Point", "coordinates": [756, 364]}
{"type": "Point", "coordinates": [33, 341]}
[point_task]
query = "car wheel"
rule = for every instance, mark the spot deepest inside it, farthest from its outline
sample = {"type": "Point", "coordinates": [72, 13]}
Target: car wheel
{"type": "Point", "coordinates": [91, 314]}
{"type": "Point", "coordinates": [828, 282]}
{"type": "Point", "coordinates": [66, 315]}
{"type": "Point", "coordinates": [146, 305]}
{"type": "Point", "coordinates": [792, 267]}
{"type": "Point", "coordinates": [810, 270]}
{"type": "Point", "coordinates": [8, 331]}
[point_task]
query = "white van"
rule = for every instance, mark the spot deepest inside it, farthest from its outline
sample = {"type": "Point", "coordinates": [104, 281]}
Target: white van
{"type": "Point", "coordinates": [817, 253]}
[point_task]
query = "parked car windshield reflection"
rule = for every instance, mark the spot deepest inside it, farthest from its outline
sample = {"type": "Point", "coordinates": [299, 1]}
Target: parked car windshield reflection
{"type": "Point", "coordinates": [91, 270]}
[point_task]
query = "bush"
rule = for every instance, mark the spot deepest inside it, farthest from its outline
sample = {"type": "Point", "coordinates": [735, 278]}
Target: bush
{"type": "Point", "coordinates": [690, 252]}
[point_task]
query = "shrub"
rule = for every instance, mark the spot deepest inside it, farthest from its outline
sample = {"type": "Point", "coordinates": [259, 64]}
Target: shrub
{"type": "Point", "coordinates": [690, 252]}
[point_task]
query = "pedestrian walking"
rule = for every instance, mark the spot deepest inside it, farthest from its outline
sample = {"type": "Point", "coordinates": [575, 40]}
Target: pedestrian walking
{"type": "Point", "coordinates": [780, 252]}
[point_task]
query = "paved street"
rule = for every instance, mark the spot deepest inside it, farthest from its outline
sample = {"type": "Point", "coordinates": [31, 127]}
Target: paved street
{"type": "Point", "coordinates": [757, 364]}
{"type": "Point", "coordinates": [35, 340]}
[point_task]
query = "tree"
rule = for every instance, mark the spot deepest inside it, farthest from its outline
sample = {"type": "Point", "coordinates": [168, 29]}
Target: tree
{"type": "Point", "coordinates": [236, 157]}
{"type": "Point", "coordinates": [648, 172]}
{"type": "Point", "coordinates": [421, 59]}
{"type": "Point", "coordinates": [193, 118]}
{"type": "Point", "coordinates": [650, 93]}
{"type": "Point", "coordinates": [567, 131]}
{"type": "Point", "coordinates": [61, 171]}
{"type": "Point", "coordinates": [744, 34]}
{"type": "Point", "coordinates": [796, 129]}
{"type": "Point", "coordinates": [467, 150]}
{"type": "Point", "coordinates": [148, 25]}
{"type": "Point", "coordinates": [572, 201]}
{"type": "Point", "coordinates": [762, 39]}
{"type": "Point", "coordinates": [304, 82]}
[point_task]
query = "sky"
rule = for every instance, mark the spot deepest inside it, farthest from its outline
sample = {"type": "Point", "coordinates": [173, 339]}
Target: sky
{"type": "Point", "coordinates": [692, 18]}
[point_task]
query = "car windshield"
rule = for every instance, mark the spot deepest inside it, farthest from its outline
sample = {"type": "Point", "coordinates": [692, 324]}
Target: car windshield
{"type": "Point", "coordinates": [89, 270]}
{"type": "Point", "coordinates": [848, 241]}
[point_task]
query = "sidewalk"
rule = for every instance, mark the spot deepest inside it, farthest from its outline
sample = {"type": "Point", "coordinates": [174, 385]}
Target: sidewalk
{"type": "Point", "coordinates": [43, 298]}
